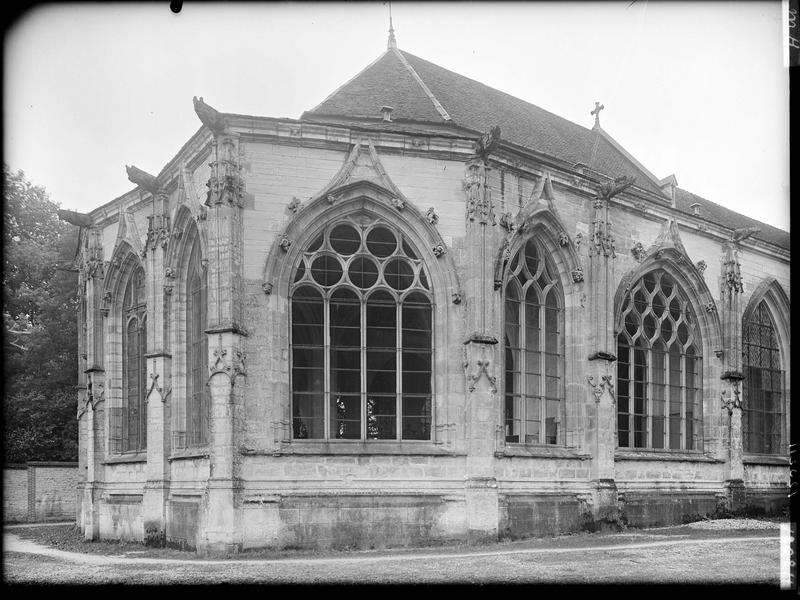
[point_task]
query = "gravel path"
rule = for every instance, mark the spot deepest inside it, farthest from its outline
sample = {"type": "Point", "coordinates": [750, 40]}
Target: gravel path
{"type": "Point", "coordinates": [717, 524]}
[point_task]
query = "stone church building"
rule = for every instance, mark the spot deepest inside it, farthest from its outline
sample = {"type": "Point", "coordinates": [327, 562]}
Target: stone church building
{"type": "Point", "coordinates": [424, 311]}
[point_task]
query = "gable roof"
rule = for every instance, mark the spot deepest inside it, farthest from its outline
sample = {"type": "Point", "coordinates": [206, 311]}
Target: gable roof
{"type": "Point", "coordinates": [422, 92]}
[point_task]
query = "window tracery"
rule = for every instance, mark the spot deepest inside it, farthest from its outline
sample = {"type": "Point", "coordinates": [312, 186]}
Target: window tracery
{"type": "Point", "coordinates": [129, 426]}
{"type": "Point", "coordinates": [659, 367]}
{"type": "Point", "coordinates": [762, 418]}
{"type": "Point", "coordinates": [534, 349]}
{"type": "Point", "coordinates": [361, 336]}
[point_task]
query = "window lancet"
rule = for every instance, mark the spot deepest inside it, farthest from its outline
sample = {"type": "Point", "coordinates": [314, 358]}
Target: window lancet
{"type": "Point", "coordinates": [762, 418]}
{"type": "Point", "coordinates": [129, 426]}
{"type": "Point", "coordinates": [659, 368]}
{"type": "Point", "coordinates": [198, 401]}
{"type": "Point", "coordinates": [534, 349]}
{"type": "Point", "coordinates": [361, 337]}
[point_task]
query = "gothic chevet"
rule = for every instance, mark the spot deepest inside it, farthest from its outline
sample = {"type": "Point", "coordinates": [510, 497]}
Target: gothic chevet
{"type": "Point", "coordinates": [356, 329]}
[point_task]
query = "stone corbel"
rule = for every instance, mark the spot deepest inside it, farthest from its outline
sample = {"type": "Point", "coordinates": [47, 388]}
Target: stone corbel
{"type": "Point", "coordinates": [577, 275]}
{"type": "Point", "coordinates": [456, 298]}
{"type": "Point", "coordinates": [285, 243]}
{"type": "Point", "coordinates": [439, 250]}
{"type": "Point", "coordinates": [267, 287]}
{"type": "Point", "coordinates": [700, 265]}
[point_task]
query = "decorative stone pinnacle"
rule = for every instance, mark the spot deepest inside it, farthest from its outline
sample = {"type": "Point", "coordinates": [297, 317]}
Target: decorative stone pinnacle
{"type": "Point", "coordinates": [596, 112]}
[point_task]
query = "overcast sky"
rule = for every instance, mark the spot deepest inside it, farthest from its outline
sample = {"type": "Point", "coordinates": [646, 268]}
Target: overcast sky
{"type": "Point", "coordinates": [698, 90]}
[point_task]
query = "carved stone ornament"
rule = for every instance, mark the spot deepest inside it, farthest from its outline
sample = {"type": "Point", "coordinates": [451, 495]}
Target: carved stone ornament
{"type": "Point", "coordinates": [483, 369]}
{"type": "Point", "coordinates": [331, 198]}
{"type": "Point", "coordinates": [578, 240]}
{"type": "Point", "coordinates": [731, 401]}
{"type": "Point", "coordinates": [267, 287]}
{"type": "Point", "coordinates": [563, 239]}
{"type": "Point", "coordinates": [710, 306]}
{"type": "Point", "coordinates": [606, 382]}
{"type": "Point", "coordinates": [285, 243]}
{"type": "Point", "coordinates": [154, 385]}
{"type": "Point", "coordinates": [639, 251]}
{"type": "Point", "coordinates": [432, 217]}
{"type": "Point", "coordinates": [577, 275]}
{"type": "Point", "coordinates": [230, 365]}
{"type": "Point", "coordinates": [107, 297]}
{"type": "Point", "coordinates": [398, 202]}
{"type": "Point", "coordinates": [507, 222]}
{"type": "Point", "coordinates": [169, 273]}
{"type": "Point", "coordinates": [439, 250]}
{"type": "Point", "coordinates": [478, 193]}
{"type": "Point", "coordinates": [701, 265]}
{"type": "Point", "coordinates": [204, 264]}
{"type": "Point", "coordinates": [456, 298]}
{"type": "Point", "coordinates": [294, 205]}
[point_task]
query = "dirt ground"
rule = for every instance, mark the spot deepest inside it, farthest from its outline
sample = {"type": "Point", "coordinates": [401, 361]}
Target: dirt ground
{"type": "Point", "coordinates": [683, 555]}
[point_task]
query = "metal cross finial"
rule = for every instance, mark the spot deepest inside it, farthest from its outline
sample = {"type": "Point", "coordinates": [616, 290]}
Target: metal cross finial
{"type": "Point", "coordinates": [596, 112]}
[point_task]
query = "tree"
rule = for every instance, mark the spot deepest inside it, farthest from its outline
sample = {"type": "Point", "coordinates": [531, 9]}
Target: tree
{"type": "Point", "coordinates": [40, 318]}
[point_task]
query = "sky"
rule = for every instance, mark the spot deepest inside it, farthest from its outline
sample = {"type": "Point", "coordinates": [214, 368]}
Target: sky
{"type": "Point", "coordinates": [695, 89]}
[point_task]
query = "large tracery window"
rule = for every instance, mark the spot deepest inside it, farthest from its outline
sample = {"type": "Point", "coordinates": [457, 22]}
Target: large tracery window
{"type": "Point", "coordinates": [534, 349]}
{"type": "Point", "coordinates": [361, 337]}
{"type": "Point", "coordinates": [131, 434]}
{"type": "Point", "coordinates": [659, 368]}
{"type": "Point", "coordinates": [198, 402]}
{"type": "Point", "coordinates": [763, 384]}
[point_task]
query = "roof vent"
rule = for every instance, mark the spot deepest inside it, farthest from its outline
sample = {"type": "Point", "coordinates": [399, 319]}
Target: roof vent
{"type": "Point", "coordinates": [695, 208]}
{"type": "Point", "coordinates": [386, 111]}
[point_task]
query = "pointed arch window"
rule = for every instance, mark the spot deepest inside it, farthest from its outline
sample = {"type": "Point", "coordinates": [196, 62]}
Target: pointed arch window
{"type": "Point", "coordinates": [762, 407]}
{"type": "Point", "coordinates": [659, 368]}
{"type": "Point", "coordinates": [534, 349]}
{"type": "Point", "coordinates": [361, 337]}
{"type": "Point", "coordinates": [133, 436]}
{"type": "Point", "coordinates": [198, 400]}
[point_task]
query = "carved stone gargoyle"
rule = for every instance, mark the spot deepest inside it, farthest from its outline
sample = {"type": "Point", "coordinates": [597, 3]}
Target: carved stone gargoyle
{"type": "Point", "coordinates": [743, 233]}
{"type": "Point", "coordinates": [487, 143]}
{"type": "Point", "coordinates": [210, 116]}
{"type": "Point", "coordinates": [612, 188]}
{"type": "Point", "coordinates": [74, 218]}
{"type": "Point", "coordinates": [143, 179]}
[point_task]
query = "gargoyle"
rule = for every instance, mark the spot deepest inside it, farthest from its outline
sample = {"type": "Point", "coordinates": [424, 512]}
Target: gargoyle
{"type": "Point", "coordinates": [74, 218]}
{"type": "Point", "coordinates": [210, 117]}
{"type": "Point", "coordinates": [488, 142]}
{"type": "Point", "coordinates": [611, 189]}
{"type": "Point", "coordinates": [743, 233]}
{"type": "Point", "coordinates": [142, 179]}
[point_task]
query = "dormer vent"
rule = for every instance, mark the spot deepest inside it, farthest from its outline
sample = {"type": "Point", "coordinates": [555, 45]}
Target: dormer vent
{"type": "Point", "coordinates": [695, 209]}
{"type": "Point", "coordinates": [386, 111]}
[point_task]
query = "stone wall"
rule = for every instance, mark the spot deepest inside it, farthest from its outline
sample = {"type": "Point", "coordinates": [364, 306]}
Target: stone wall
{"type": "Point", "coordinates": [40, 491]}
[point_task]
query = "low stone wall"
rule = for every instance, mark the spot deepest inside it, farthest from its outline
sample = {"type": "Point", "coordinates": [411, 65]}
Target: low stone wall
{"type": "Point", "coordinates": [39, 491]}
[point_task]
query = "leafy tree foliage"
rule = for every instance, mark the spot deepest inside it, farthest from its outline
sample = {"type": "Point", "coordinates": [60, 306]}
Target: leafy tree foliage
{"type": "Point", "coordinates": [40, 316]}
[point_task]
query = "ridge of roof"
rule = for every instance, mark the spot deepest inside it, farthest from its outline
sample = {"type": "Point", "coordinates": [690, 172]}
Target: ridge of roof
{"type": "Point", "coordinates": [436, 104]}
